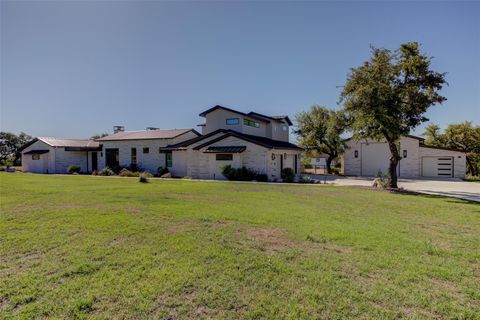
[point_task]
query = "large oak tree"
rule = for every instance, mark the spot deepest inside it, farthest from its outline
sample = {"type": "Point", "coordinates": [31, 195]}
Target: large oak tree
{"type": "Point", "coordinates": [320, 129]}
{"type": "Point", "coordinates": [388, 95]}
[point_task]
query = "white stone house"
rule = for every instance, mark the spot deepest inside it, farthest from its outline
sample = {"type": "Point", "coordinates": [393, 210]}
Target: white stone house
{"type": "Point", "coordinates": [368, 158]}
{"type": "Point", "coordinates": [52, 155]}
{"type": "Point", "coordinates": [229, 137]}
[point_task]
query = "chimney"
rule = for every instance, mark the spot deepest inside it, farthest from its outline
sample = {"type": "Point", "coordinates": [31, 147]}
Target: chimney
{"type": "Point", "coordinates": [152, 128]}
{"type": "Point", "coordinates": [118, 129]}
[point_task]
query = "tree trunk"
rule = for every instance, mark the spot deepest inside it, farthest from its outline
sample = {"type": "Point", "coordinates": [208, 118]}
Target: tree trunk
{"type": "Point", "coordinates": [392, 168]}
{"type": "Point", "coordinates": [329, 163]}
{"type": "Point", "coordinates": [470, 167]}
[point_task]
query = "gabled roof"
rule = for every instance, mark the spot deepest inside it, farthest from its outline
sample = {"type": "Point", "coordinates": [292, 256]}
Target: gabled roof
{"type": "Point", "coordinates": [204, 113]}
{"type": "Point", "coordinates": [64, 143]}
{"type": "Point", "coordinates": [285, 118]}
{"type": "Point", "coordinates": [262, 141]}
{"type": "Point", "coordinates": [147, 134]}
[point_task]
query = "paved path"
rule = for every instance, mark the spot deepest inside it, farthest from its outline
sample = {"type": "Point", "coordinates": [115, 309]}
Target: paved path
{"type": "Point", "coordinates": [444, 187]}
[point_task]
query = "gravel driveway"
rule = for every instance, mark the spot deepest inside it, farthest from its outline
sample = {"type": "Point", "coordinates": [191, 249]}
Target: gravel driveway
{"type": "Point", "coordinates": [444, 187]}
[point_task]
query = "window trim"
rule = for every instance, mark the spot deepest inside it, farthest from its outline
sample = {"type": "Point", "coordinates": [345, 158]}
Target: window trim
{"type": "Point", "coordinates": [133, 156]}
{"type": "Point", "coordinates": [168, 159]}
{"type": "Point", "coordinates": [236, 121]}
{"type": "Point", "coordinates": [251, 123]}
{"type": "Point", "coordinates": [227, 156]}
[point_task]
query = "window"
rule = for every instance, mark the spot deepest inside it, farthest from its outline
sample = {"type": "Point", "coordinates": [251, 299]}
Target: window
{"type": "Point", "coordinates": [285, 128]}
{"type": "Point", "coordinates": [168, 159]}
{"type": "Point", "coordinates": [232, 121]}
{"type": "Point", "coordinates": [146, 150]}
{"type": "Point", "coordinates": [251, 123]}
{"type": "Point", "coordinates": [134, 156]}
{"type": "Point", "coordinates": [35, 157]}
{"type": "Point", "coordinates": [224, 157]}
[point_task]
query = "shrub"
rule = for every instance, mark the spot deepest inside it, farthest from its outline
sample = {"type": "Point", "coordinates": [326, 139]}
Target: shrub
{"type": "Point", "coordinates": [94, 173]}
{"type": "Point", "coordinates": [143, 177]}
{"type": "Point", "coordinates": [147, 174]}
{"type": "Point", "coordinates": [161, 171]}
{"type": "Point", "coordinates": [306, 179]}
{"type": "Point", "coordinates": [242, 174]}
{"type": "Point", "coordinates": [106, 172]}
{"type": "Point", "coordinates": [335, 170]}
{"type": "Point", "coordinates": [288, 175]}
{"type": "Point", "coordinates": [73, 169]}
{"type": "Point", "coordinates": [127, 173]}
{"type": "Point", "coordinates": [308, 166]}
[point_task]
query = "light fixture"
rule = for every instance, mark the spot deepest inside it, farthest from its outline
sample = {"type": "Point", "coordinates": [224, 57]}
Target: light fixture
{"type": "Point", "coordinates": [356, 153]}
{"type": "Point", "coordinates": [404, 153]}
{"type": "Point", "coordinates": [273, 156]}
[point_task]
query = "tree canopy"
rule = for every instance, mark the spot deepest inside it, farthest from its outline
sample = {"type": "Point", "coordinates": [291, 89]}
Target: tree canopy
{"type": "Point", "coordinates": [388, 95]}
{"type": "Point", "coordinates": [10, 144]}
{"type": "Point", "coordinates": [320, 129]}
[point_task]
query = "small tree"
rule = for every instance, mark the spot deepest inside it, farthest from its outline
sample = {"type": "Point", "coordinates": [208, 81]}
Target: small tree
{"type": "Point", "coordinates": [388, 95]}
{"type": "Point", "coordinates": [98, 136]}
{"type": "Point", "coordinates": [320, 129]}
{"type": "Point", "coordinates": [433, 136]}
{"type": "Point", "coordinates": [10, 145]}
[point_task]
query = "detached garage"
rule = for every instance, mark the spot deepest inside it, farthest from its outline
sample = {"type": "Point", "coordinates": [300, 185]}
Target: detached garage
{"type": "Point", "coordinates": [51, 155]}
{"type": "Point", "coordinates": [368, 158]}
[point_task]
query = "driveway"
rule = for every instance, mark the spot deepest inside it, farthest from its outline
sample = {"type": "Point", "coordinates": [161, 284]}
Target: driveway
{"type": "Point", "coordinates": [444, 187]}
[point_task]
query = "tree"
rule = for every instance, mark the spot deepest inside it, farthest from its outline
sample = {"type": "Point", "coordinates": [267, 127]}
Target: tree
{"type": "Point", "coordinates": [10, 145]}
{"type": "Point", "coordinates": [98, 136]}
{"type": "Point", "coordinates": [319, 130]}
{"type": "Point", "coordinates": [433, 136]}
{"type": "Point", "coordinates": [388, 95]}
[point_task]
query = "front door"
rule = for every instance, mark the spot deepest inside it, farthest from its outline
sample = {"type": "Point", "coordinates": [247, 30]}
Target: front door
{"type": "Point", "coordinates": [94, 161]}
{"type": "Point", "coordinates": [112, 158]}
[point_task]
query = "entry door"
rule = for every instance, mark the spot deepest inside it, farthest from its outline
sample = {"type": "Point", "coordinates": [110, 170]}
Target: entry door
{"type": "Point", "coordinates": [94, 161]}
{"type": "Point", "coordinates": [112, 158]}
{"type": "Point", "coordinates": [437, 167]}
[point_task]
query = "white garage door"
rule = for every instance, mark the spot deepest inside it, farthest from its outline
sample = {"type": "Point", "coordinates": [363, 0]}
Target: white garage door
{"type": "Point", "coordinates": [437, 166]}
{"type": "Point", "coordinates": [375, 158]}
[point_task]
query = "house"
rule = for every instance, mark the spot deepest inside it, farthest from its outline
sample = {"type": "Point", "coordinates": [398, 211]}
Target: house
{"type": "Point", "coordinates": [229, 137]}
{"type": "Point", "coordinates": [52, 155]}
{"type": "Point", "coordinates": [368, 158]}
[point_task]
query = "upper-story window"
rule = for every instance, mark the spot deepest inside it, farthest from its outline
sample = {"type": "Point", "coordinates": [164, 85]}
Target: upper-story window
{"type": "Point", "coordinates": [232, 121]}
{"type": "Point", "coordinates": [284, 127]}
{"type": "Point", "coordinates": [251, 123]}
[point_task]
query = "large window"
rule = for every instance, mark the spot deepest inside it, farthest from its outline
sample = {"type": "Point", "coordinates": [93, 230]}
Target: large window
{"type": "Point", "coordinates": [134, 157]}
{"type": "Point", "coordinates": [112, 157]}
{"type": "Point", "coordinates": [224, 157]}
{"type": "Point", "coordinates": [251, 123]}
{"type": "Point", "coordinates": [168, 159]}
{"type": "Point", "coordinates": [232, 121]}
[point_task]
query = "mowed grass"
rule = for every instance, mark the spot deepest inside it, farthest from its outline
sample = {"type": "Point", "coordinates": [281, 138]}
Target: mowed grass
{"type": "Point", "coordinates": [113, 248]}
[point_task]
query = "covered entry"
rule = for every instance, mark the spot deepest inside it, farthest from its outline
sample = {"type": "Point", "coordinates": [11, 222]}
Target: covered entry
{"type": "Point", "coordinates": [437, 167]}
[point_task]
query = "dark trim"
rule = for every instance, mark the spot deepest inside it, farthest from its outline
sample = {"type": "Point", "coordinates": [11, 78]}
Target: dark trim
{"type": "Point", "coordinates": [407, 136]}
{"type": "Point", "coordinates": [439, 148]}
{"type": "Point", "coordinates": [83, 148]}
{"type": "Point", "coordinates": [204, 113]}
{"type": "Point", "coordinates": [37, 151]}
{"type": "Point", "coordinates": [126, 139]}
{"type": "Point", "coordinates": [28, 144]}
{"type": "Point", "coordinates": [230, 134]}
{"type": "Point", "coordinates": [226, 149]}
{"type": "Point", "coordinates": [276, 118]}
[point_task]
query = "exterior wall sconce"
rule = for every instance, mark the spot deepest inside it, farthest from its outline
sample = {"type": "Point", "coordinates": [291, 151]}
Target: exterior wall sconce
{"type": "Point", "coordinates": [273, 156]}
{"type": "Point", "coordinates": [404, 153]}
{"type": "Point", "coordinates": [356, 153]}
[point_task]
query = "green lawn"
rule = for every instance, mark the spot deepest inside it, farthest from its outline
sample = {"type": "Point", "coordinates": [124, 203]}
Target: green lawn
{"type": "Point", "coordinates": [113, 248]}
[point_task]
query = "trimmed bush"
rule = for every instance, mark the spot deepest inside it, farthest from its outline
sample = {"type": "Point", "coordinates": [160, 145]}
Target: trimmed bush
{"type": "Point", "coordinates": [127, 173]}
{"type": "Point", "coordinates": [94, 173]}
{"type": "Point", "coordinates": [242, 174]}
{"type": "Point", "coordinates": [335, 170]}
{"type": "Point", "coordinates": [143, 177]}
{"type": "Point", "coordinates": [73, 169]}
{"type": "Point", "coordinates": [106, 172]}
{"type": "Point", "coordinates": [288, 175]}
{"type": "Point", "coordinates": [161, 171]}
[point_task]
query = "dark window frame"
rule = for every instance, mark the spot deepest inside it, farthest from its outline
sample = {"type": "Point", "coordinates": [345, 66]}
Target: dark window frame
{"type": "Point", "coordinates": [133, 156]}
{"type": "Point", "coordinates": [146, 150]}
{"type": "Point", "coordinates": [225, 156]}
{"type": "Point", "coordinates": [232, 121]}
{"type": "Point", "coordinates": [251, 123]}
{"type": "Point", "coordinates": [168, 159]}
{"type": "Point", "coordinates": [35, 157]}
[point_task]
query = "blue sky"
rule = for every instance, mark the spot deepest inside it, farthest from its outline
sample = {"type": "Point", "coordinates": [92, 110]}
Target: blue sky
{"type": "Point", "coordinates": [72, 69]}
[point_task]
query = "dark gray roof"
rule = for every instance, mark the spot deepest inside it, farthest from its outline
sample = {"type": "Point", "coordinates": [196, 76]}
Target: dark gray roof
{"type": "Point", "coordinates": [146, 134]}
{"type": "Point", "coordinates": [37, 152]}
{"type": "Point", "coordinates": [228, 149]}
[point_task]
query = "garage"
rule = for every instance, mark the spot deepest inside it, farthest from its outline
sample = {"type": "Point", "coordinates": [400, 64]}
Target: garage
{"type": "Point", "coordinates": [375, 158]}
{"type": "Point", "coordinates": [437, 167]}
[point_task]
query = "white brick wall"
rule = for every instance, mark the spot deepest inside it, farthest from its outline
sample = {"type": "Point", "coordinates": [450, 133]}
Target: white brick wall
{"type": "Point", "coordinates": [459, 160]}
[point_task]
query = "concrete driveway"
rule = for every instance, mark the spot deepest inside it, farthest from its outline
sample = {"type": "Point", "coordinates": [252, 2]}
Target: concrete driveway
{"type": "Point", "coordinates": [443, 187]}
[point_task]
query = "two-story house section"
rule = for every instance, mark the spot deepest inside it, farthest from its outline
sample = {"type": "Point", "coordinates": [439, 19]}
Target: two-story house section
{"type": "Point", "coordinates": [231, 137]}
